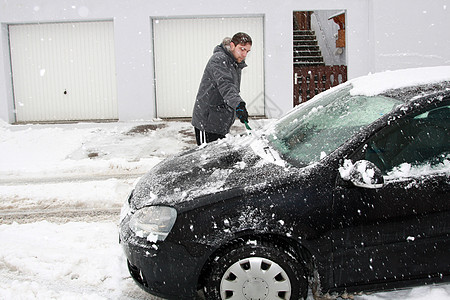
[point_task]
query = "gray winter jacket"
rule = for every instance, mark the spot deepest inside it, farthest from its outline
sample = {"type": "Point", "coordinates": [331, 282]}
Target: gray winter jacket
{"type": "Point", "coordinates": [218, 94]}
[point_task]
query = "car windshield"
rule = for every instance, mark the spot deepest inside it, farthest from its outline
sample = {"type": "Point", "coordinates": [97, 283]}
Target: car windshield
{"type": "Point", "coordinates": [320, 126]}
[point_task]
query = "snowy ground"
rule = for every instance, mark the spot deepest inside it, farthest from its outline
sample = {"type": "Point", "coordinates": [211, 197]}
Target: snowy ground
{"type": "Point", "coordinates": [61, 189]}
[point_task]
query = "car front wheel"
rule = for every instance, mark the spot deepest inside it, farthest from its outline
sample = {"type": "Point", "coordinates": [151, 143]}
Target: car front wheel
{"type": "Point", "coordinates": [256, 271]}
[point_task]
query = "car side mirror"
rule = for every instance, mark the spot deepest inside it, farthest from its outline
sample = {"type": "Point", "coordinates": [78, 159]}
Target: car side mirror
{"type": "Point", "coordinates": [363, 174]}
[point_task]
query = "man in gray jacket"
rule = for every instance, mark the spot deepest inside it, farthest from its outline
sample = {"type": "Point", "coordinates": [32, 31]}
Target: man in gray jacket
{"type": "Point", "coordinates": [218, 101]}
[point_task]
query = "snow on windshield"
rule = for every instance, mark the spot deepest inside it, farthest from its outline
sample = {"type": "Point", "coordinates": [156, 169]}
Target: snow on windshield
{"type": "Point", "coordinates": [308, 134]}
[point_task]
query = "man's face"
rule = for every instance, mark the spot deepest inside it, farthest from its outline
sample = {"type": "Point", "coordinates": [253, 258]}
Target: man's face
{"type": "Point", "coordinates": [240, 52]}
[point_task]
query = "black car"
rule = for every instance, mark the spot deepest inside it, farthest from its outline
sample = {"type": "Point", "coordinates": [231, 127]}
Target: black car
{"type": "Point", "coordinates": [349, 192]}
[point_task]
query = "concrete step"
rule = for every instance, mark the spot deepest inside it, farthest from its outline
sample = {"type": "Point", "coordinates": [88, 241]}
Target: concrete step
{"type": "Point", "coordinates": [317, 59]}
{"type": "Point", "coordinates": [302, 52]}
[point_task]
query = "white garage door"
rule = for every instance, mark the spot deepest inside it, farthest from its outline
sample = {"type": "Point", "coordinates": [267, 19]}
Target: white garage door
{"type": "Point", "coordinates": [182, 49]}
{"type": "Point", "coordinates": [63, 71]}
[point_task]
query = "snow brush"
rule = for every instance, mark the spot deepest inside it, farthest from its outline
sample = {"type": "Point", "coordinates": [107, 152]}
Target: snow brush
{"type": "Point", "coordinates": [249, 130]}
{"type": "Point", "coordinates": [255, 134]}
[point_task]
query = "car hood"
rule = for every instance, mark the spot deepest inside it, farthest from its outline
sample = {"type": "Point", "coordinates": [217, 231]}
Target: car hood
{"type": "Point", "coordinates": [225, 165]}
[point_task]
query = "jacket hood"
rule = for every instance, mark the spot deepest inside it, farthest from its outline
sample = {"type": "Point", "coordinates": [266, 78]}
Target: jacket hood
{"type": "Point", "coordinates": [217, 167]}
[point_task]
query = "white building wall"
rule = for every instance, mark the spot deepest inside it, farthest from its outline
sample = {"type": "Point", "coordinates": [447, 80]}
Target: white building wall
{"type": "Point", "coordinates": [411, 34]}
{"type": "Point", "coordinates": [375, 31]}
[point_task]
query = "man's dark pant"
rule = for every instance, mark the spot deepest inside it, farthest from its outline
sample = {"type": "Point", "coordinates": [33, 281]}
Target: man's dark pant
{"type": "Point", "coordinates": [206, 137]}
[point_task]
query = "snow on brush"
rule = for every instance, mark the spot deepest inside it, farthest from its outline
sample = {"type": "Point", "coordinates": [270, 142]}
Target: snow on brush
{"type": "Point", "coordinates": [87, 166]}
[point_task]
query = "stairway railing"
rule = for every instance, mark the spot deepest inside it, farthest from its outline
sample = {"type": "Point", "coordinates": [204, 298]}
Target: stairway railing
{"type": "Point", "coordinates": [312, 80]}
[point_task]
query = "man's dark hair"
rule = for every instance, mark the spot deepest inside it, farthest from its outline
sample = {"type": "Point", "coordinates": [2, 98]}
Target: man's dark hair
{"type": "Point", "coordinates": [241, 38]}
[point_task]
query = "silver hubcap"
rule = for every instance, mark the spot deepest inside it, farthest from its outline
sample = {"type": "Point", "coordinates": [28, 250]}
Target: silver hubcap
{"type": "Point", "coordinates": [255, 278]}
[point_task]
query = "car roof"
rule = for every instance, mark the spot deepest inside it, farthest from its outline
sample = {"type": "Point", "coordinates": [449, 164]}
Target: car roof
{"type": "Point", "coordinates": [380, 83]}
{"type": "Point", "coordinates": [413, 92]}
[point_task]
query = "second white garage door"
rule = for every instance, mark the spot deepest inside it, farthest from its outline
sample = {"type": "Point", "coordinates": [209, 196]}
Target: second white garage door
{"type": "Point", "coordinates": [182, 49]}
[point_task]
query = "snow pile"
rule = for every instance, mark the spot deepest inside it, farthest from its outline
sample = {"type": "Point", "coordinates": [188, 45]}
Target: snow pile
{"type": "Point", "coordinates": [83, 165]}
{"type": "Point", "coordinates": [63, 261]}
{"type": "Point", "coordinates": [105, 194]}
{"type": "Point", "coordinates": [65, 150]}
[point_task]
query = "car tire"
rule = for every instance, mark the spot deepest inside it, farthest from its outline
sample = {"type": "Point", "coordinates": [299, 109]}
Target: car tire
{"type": "Point", "coordinates": [256, 270]}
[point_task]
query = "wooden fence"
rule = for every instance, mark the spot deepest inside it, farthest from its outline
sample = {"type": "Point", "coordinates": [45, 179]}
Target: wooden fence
{"type": "Point", "coordinates": [312, 80]}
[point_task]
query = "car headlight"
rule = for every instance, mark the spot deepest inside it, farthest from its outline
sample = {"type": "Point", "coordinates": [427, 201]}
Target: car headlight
{"type": "Point", "coordinates": [153, 223]}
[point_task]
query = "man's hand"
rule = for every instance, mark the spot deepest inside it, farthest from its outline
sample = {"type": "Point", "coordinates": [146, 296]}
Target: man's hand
{"type": "Point", "coordinates": [241, 112]}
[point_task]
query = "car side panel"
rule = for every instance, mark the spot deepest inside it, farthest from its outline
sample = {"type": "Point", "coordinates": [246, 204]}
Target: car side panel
{"type": "Point", "coordinates": [398, 232]}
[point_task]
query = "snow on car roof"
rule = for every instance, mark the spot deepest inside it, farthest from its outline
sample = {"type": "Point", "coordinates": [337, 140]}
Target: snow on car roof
{"type": "Point", "coordinates": [374, 84]}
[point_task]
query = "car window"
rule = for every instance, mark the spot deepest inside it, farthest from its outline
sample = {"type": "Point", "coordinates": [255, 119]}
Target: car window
{"type": "Point", "coordinates": [320, 127]}
{"type": "Point", "coordinates": [416, 141]}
